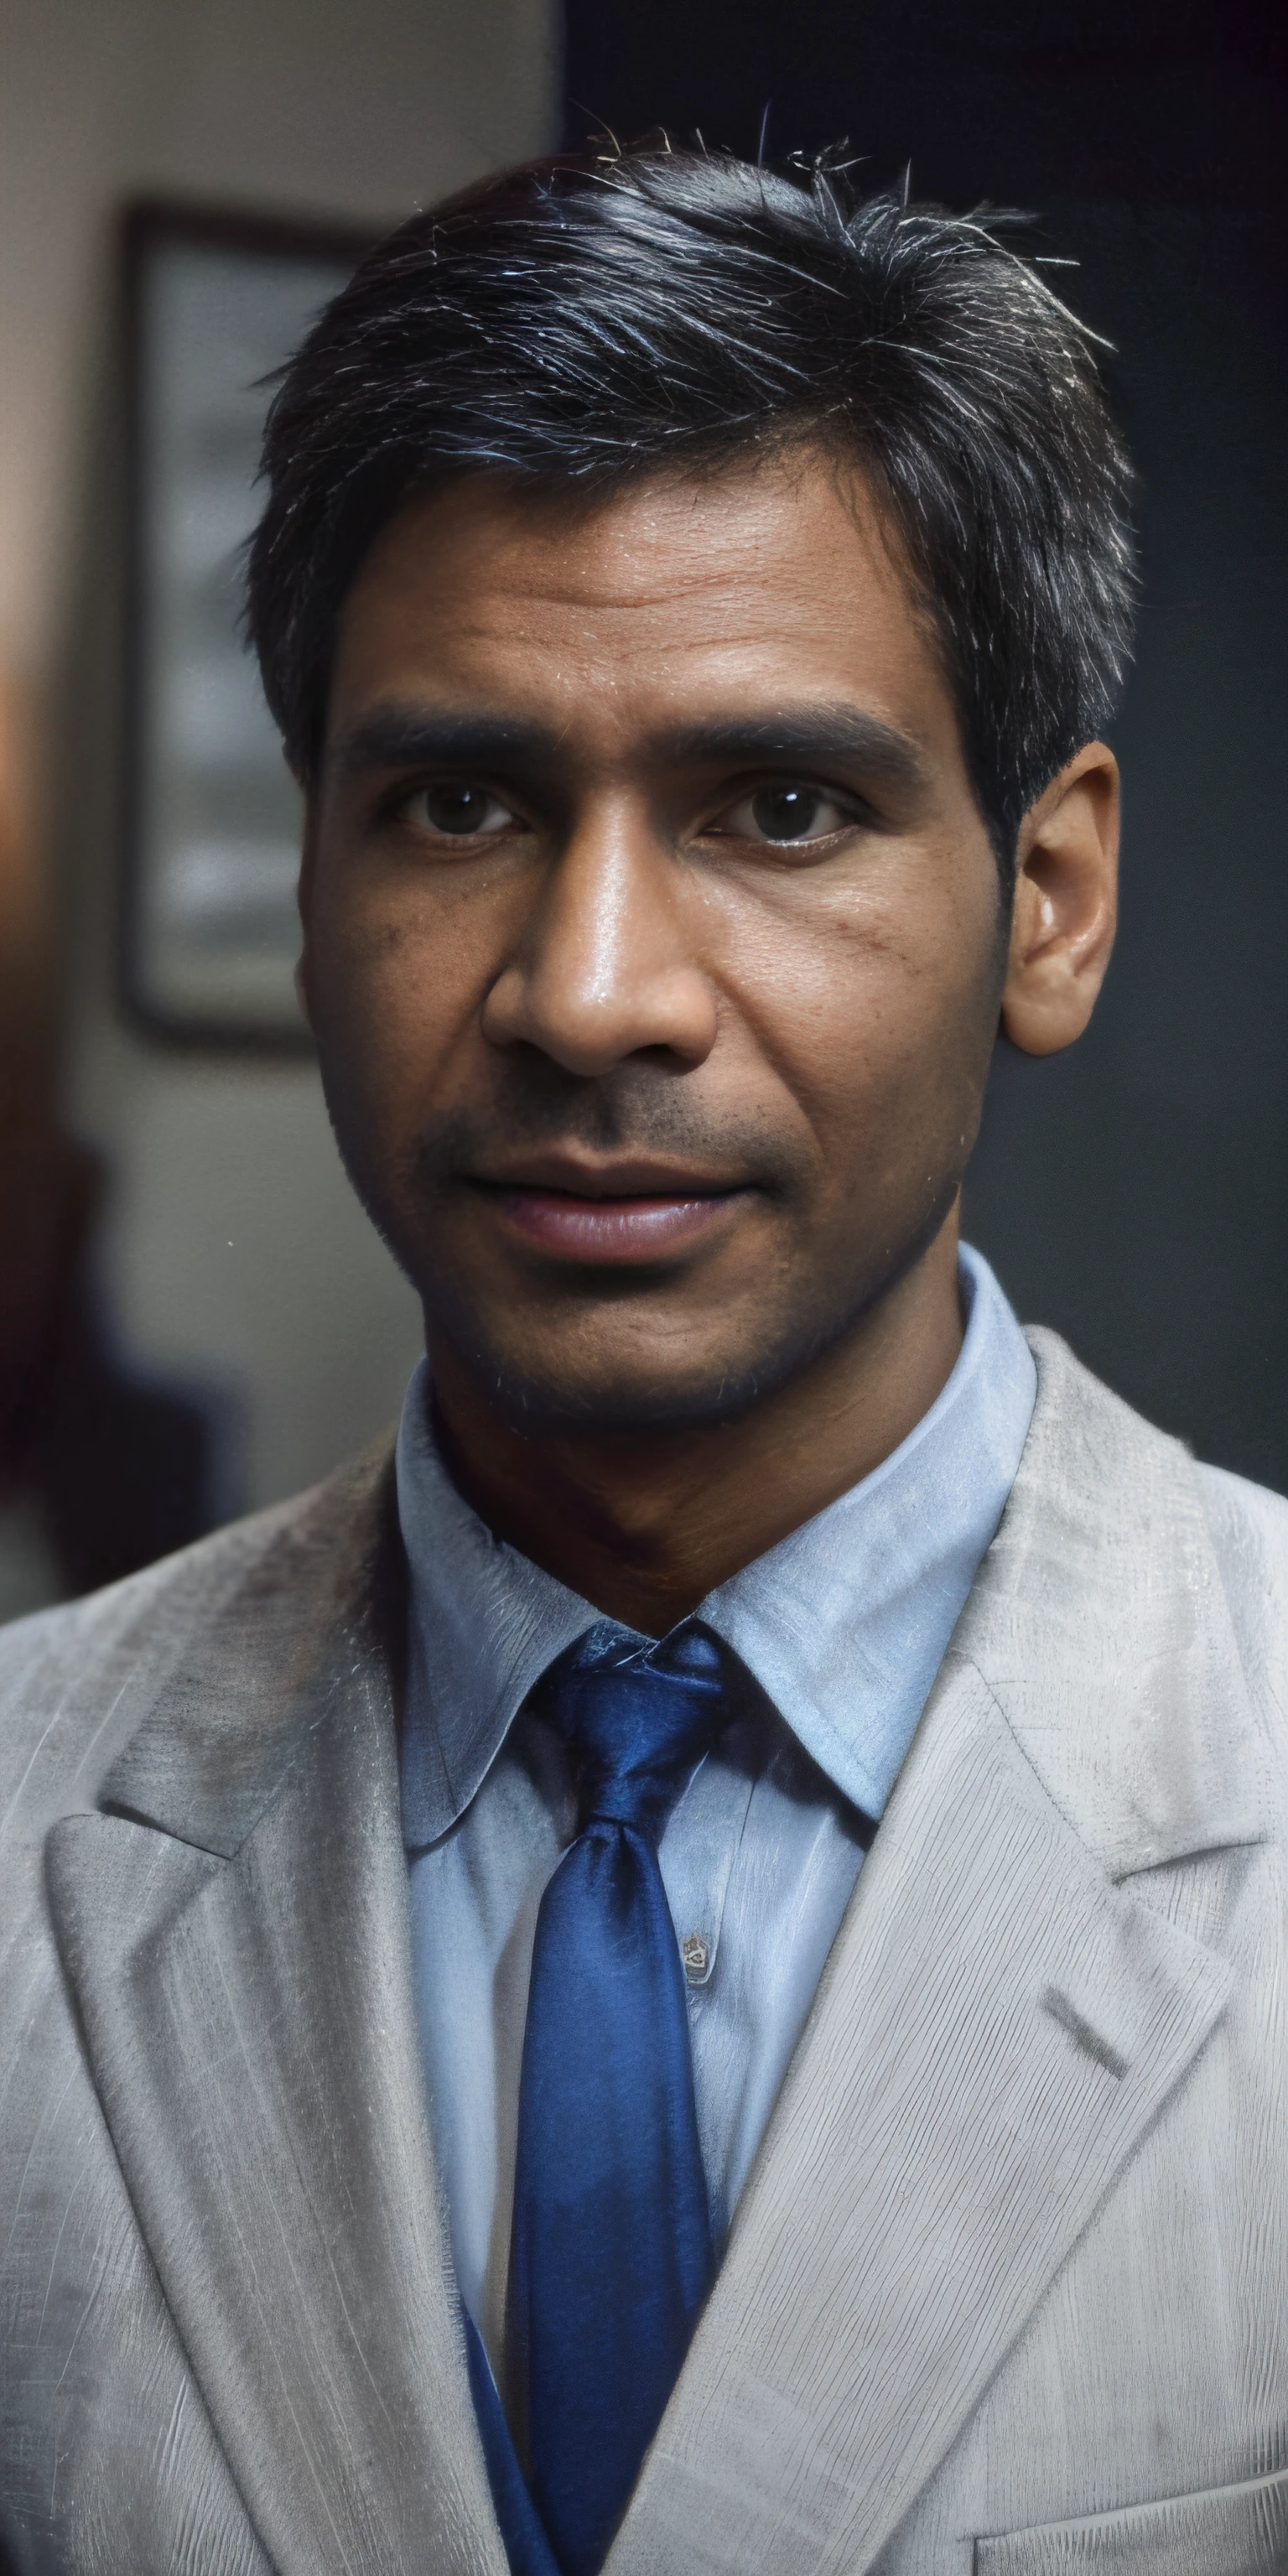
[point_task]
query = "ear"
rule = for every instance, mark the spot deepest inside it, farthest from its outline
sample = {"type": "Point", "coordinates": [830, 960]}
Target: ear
{"type": "Point", "coordinates": [1066, 904]}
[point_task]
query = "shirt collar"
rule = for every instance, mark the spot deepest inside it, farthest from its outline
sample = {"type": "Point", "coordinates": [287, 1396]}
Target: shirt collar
{"type": "Point", "coordinates": [844, 1623]}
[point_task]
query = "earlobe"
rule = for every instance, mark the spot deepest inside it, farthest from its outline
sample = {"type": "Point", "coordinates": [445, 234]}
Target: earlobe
{"type": "Point", "coordinates": [1066, 896]}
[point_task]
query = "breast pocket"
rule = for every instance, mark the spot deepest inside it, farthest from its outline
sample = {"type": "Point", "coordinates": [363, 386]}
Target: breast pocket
{"type": "Point", "coordinates": [1226, 2531]}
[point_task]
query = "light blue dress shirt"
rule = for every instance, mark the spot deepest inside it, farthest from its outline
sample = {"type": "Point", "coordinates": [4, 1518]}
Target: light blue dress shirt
{"type": "Point", "coordinates": [843, 1624]}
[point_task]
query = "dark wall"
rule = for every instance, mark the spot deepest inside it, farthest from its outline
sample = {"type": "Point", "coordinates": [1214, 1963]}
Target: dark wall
{"type": "Point", "coordinates": [1135, 1192]}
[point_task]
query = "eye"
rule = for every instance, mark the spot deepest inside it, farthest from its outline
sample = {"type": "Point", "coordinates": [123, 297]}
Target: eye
{"type": "Point", "coordinates": [785, 813]}
{"type": "Point", "coordinates": [465, 812]}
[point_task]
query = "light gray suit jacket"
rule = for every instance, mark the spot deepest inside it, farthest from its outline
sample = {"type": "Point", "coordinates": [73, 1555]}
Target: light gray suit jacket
{"type": "Point", "coordinates": [1008, 2288]}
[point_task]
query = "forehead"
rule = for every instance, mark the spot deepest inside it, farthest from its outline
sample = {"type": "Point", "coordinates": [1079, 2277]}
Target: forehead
{"type": "Point", "coordinates": [775, 578]}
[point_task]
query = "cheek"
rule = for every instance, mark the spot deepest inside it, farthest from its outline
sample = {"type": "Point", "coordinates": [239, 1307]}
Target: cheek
{"type": "Point", "coordinates": [395, 989]}
{"type": "Point", "coordinates": [878, 1008]}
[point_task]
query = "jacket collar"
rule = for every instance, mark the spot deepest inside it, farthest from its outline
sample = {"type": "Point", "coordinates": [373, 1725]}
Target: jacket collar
{"type": "Point", "coordinates": [1101, 1625]}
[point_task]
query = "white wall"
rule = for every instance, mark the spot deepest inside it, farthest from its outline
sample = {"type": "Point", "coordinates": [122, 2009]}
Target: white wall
{"type": "Point", "coordinates": [232, 1255]}
{"type": "Point", "coordinates": [350, 107]}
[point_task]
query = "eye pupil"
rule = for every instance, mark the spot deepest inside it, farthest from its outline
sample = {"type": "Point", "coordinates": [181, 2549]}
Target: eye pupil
{"type": "Point", "coordinates": [456, 809]}
{"type": "Point", "coordinates": [785, 813]}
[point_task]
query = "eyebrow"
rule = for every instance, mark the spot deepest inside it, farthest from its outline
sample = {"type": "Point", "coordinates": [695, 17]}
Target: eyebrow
{"type": "Point", "coordinates": [804, 738]}
{"type": "Point", "coordinates": [397, 737]}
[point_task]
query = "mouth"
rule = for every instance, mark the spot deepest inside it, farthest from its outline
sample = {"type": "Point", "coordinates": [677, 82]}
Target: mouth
{"type": "Point", "coordinates": [606, 1214]}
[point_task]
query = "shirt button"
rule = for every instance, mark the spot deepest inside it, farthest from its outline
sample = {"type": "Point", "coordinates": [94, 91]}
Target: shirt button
{"type": "Point", "coordinates": [694, 1954]}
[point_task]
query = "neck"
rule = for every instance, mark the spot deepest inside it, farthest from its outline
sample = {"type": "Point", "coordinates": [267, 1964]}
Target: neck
{"type": "Point", "coordinates": [645, 1524]}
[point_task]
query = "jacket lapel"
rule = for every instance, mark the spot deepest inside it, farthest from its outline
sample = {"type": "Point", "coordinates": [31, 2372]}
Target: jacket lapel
{"type": "Point", "coordinates": [236, 1938]}
{"type": "Point", "coordinates": [1001, 2019]}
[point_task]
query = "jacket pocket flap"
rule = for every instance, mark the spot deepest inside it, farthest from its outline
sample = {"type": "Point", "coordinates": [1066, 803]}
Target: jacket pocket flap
{"type": "Point", "coordinates": [1225, 2531]}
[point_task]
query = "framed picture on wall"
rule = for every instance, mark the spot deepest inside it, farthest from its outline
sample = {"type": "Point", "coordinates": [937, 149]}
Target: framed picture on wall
{"type": "Point", "coordinates": [215, 302]}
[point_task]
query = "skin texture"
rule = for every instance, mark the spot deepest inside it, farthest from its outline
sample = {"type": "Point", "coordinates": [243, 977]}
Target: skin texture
{"type": "Point", "coordinates": [666, 1114]}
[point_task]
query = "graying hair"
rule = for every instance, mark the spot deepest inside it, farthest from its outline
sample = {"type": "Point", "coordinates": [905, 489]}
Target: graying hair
{"type": "Point", "coordinates": [596, 317]}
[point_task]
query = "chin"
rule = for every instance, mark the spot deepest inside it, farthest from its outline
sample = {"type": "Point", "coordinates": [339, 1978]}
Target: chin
{"type": "Point", "coordinates": [634, 1391]}
{"type": "Point", "coordinates": [622, 1405]}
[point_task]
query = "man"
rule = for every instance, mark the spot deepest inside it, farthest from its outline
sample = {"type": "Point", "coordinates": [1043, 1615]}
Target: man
{"type": "Point", "coordinates": [687, 1975]}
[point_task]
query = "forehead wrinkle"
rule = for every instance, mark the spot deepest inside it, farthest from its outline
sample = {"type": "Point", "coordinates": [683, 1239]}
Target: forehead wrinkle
{"type": "Point", "coordinates": [627, 579]}
{"type": "Point", "coordinates": [736, 589]}
{"type": "Point", "coordinates": [745, 617]}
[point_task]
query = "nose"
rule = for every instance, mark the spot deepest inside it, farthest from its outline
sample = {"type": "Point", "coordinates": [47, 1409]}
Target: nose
{"type": "Point", "coordinates": [606, 965]}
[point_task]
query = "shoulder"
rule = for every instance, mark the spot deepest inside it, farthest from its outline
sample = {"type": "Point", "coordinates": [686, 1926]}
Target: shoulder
{"type": "Point", "coordinates": [75, 1681]}
{"type": "Point", "coordinates": [1248, 1526]}
{"type": "Point", "coordinates": [1129, 1621]}
{"type": "Point", "coordinates": [1150, 1558]}
{"type": "Point", "coordinates": [1095, 1450]}
{"type": "Point", "coordinates": [65, 1673]}
{"type": "Point", "coordinates": [1095, 1447]}
{"type": "Point", "coordinates": [1160, 1482]}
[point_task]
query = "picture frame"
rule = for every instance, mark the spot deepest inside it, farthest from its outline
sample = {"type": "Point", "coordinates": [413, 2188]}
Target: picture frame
{"type": "Point", "coordinates": [215, 301]}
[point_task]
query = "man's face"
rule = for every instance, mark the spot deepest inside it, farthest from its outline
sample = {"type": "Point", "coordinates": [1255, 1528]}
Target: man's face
{"type": "Point", "coordinates": [652, 932]}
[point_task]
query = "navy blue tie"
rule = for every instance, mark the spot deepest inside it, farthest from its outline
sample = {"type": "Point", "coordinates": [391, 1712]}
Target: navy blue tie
{"type": "Point", "coordinates": [611, 2254]}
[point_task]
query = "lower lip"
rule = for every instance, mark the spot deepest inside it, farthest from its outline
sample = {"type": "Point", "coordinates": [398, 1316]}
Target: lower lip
{"type": "Point", "coordinates": [608, 1230]}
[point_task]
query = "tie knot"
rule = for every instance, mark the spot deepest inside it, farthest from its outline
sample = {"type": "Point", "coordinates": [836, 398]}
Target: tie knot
{"type": "Point", "coordinates": [636, 1717]}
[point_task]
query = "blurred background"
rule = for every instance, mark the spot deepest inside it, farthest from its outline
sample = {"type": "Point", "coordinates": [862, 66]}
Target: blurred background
{"type": "Point", "coordinates": [195, 1318]}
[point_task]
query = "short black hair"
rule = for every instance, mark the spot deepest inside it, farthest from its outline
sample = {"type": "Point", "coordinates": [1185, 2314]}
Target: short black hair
{"type": "Point", "coordinates": [598, 317]}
